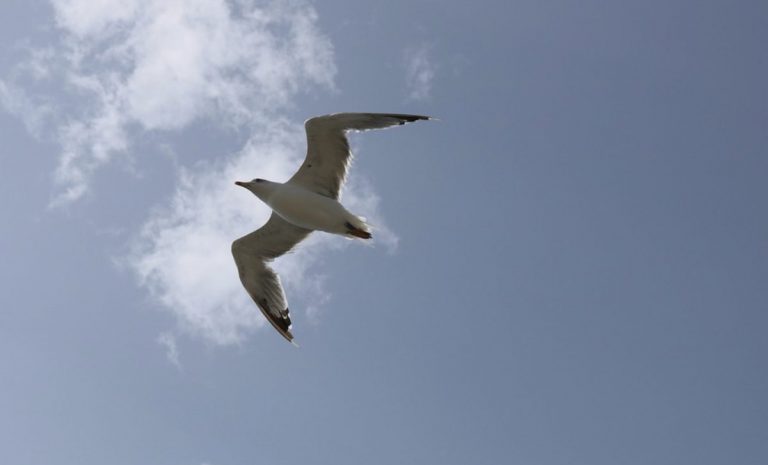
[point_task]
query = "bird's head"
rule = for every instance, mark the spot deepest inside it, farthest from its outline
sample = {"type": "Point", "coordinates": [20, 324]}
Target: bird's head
{"type": "Point", "coordinates": [260, 187]}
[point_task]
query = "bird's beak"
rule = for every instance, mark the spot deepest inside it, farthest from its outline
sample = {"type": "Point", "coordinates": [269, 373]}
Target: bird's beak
{"type": "Point", "coordinates": [241, 184]}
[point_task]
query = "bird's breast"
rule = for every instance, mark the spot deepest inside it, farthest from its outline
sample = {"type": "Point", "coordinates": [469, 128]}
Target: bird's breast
{"type": "Point", "coordinates": [307, 209]}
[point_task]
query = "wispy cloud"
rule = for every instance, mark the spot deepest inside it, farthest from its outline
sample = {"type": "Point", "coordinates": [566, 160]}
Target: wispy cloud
{"type": "Point", "coordinates": [183, 257]}
{"type": "Point", "coordinates": [158, 65]}
{"type": "Point", "coordinates": [419, 72]}
{"type": "Point", "coordinates": [168, 340]}
{"type": "Point", "coordinates": [17, 102]}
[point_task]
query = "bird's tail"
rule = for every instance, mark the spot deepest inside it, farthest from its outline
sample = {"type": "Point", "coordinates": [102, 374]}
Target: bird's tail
{"type": "Point", "coordinates": [357, 227]}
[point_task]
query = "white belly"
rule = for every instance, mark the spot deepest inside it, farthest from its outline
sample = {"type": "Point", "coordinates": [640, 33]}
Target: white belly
{"type": "Point", "coordinates": [309, 210]}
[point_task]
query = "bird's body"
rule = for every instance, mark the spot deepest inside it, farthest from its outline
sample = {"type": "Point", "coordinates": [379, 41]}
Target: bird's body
{"type": "Point", "coordinates": [308, 209]}
{"type": "Point", "coordinates": [307, 202]}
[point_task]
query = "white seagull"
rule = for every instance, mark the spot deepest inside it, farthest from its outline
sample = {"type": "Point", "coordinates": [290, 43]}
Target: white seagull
{"type": "Point", "coordinates": [307, 202]}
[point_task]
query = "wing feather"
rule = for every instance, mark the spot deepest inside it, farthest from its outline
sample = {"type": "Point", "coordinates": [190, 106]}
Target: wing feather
{"type": "Point", "coordinates": [252, 252]}
{"type": "Point", "coordinates": [328, 156]}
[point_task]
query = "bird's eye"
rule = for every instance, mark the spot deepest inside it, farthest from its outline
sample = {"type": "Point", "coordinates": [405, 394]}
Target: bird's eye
{"type": "Point", "coordinates": [258, 180]}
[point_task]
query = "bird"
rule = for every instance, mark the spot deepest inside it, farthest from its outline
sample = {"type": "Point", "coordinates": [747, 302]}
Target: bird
{"type": "Point", "coordinates": [307, 202]}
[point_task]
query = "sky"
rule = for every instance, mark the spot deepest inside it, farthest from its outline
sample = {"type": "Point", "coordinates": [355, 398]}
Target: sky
{"type": "Point", "coordinates": [569, 265]}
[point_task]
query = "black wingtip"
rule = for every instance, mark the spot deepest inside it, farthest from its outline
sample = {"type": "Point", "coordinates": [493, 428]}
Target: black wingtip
{"type": "Point", "coordinates": [281, 323]}
{"type": "Point", "coordinates": [404, 118]}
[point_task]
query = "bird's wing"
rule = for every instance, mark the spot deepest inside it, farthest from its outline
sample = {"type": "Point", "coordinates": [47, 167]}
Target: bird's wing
{"type": "Point", "coordinates": [252, 252]}
{"type": "Point", "coordinates": [328, 155]}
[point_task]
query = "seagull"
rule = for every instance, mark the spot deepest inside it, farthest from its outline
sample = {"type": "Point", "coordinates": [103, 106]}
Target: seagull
{"type": "Point", "coordinates": [307, 202]}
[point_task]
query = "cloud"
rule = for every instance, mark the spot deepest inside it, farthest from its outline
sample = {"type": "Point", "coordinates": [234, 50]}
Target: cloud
{"type": "Point", "coordinates": [32, 113]}
{"type": "Point", "coordinates": [168, 340]}
{"type": "Point", "coordinates": [182, 255]}
{"type": "Point", "coordinates": [158, 65]}
{"type": "Point", "coordinates": [419, 72]}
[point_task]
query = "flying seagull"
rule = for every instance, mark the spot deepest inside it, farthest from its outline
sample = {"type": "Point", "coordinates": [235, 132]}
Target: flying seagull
{"type": "Point", "coordinates": [307, 202]}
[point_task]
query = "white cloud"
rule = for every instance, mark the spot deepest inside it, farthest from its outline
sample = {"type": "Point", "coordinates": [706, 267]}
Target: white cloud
{"type": "Point", "coordinates": [90, 17]}
{"type": "Point", "coordinates": [419, 72]}
{"type": "Point", "coordinates": [138, 65]}
{"type": "Point", "coordinates": [32, 113]}
{"type": "Point", "coordinates": [168, 341]}
{"type": "Point", "coordinates": [183, 253]}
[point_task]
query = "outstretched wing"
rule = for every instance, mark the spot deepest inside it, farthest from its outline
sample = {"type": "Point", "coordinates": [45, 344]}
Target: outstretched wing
{"type": "Point", "coordinates": [252, 252]}
{"type": "Point", "coordinates": [328, 155]}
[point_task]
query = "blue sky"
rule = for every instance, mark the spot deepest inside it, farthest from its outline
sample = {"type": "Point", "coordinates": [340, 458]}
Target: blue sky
{"type": "Point", "coordinates": [569, 265]}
